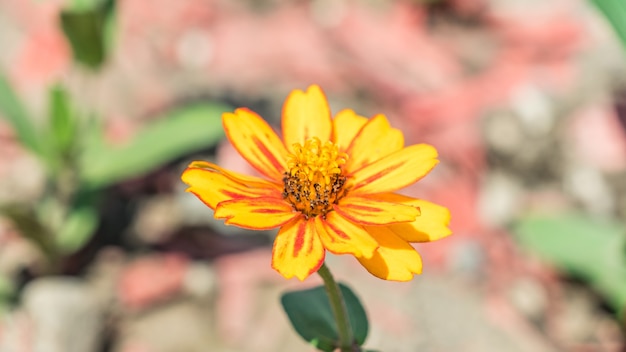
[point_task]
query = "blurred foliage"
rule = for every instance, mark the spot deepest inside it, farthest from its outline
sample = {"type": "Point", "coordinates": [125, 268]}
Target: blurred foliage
{"type": "Point", "coordinates": [7, 290]}
{"type": "Point", "coordinates": [80, 163]}
{"type": "Point", "coordinates": [71, 145]}
{"type": "Point", "coordinates": [62, 122]}
{"type": "Point", "coordinates": [87, 24]}
{"type": "Point", "coordinates": [314, 321]}
{"type": "Point", "coordinates": [176, 133]}
{"type": "Point", "coordinates": [585, 248]}
{"type": "Point", "coordinates": [76, 229]}
{"type": "Point", "coordinates": [12, 110]}
{"type": "Point", "coordinates": [581, 246]}
{"type": "Point", "coordinates": [615, 12]}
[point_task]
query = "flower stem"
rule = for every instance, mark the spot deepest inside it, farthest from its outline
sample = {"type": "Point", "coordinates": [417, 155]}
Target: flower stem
{"type": "Point", "coordinates": [339, 309]}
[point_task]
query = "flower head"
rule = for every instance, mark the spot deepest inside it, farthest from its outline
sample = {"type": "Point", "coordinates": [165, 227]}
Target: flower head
{"type": "Point", "coordinates": [328, 184]}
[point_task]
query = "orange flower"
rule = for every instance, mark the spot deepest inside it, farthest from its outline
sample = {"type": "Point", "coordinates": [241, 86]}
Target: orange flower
{"type": "Point", "coordinates": [328, 185]}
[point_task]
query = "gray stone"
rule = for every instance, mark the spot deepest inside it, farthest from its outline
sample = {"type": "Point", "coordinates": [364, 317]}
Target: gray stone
{"type": "Point", "coordinates": [66, 316]}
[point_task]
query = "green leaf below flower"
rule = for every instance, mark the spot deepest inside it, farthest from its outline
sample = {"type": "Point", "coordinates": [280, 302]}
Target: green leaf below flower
{"type": "Point", "coordinates": [311, 316]}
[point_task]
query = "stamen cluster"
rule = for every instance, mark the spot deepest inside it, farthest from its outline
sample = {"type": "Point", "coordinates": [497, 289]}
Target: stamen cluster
{"type": "Point", "coordinates": [314, 180]}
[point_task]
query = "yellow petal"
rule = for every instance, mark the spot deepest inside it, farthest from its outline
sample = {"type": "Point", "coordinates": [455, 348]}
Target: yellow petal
{"type": "Point", "coordinates": [298, 250]}
{"type": "Point", "coordinates": [395, 259]}
{"type": "Point", "coordinates": [431, 225]}
{"type": "Point", "coordinates": [346, 125]}
{"type": "Point", "coordinates": [395, 171]}
{"type": "Point", "coordinates": [256, 141]}
{"type": "Point", "coordinates": [370, 211]}
{"type": "Point", "coordinates": [375, 140]}
{"type": "Point", "coordinates": [306, 115]}
{"type": "Point", "coordinates": [248, 180]}
{"type": "Point", "coordinates": [256, 213]}
{"type": "Point", "coordinates": [213, 184]}
{"type": "Point", "coordinates": [341, 236]}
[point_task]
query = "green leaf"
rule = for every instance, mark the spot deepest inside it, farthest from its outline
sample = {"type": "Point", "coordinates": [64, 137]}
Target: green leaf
{"type": "Point", "coordinates": [63, 124]}
{"type": "Point", "coordinates": [86, 5]}
{"type": "Point", "coordinates": [84, 26]}
{"type": "Point", "coordinates": [11, 108]}
{"type": "Point", "coordinates": [77, 229]}
{"type": "Point", "coordinates": [25, 219]}
{"type": "Point", "coordinates": [590, 249]}
{"type": "Point", "coordinates": [7, 287]}
{"type": "Point", "coordinates": [615, 13]}
{"type": "Point", "coordinates": [311, 316]}
{"type": "Point", "coordinates": [175, 134]}
{"type": "Point", "coordinates": [7, 294]}
{"type": "Point", "coordinates": [110, 29]}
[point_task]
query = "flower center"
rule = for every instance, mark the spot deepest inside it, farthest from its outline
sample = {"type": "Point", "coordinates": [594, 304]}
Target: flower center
{"type": "Point", "coordinates": [313, 182]}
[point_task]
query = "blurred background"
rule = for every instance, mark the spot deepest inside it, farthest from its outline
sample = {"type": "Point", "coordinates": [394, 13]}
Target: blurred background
{"type": "Point", "coordinates": [103, 103]}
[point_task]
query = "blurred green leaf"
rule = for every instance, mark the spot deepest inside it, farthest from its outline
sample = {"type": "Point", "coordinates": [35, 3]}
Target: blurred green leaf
{"type": "Point", "coordinates": [110, 29]}
{"type": "Point", "coordinates": [78, 228]}
{"type": "Point", "coordinates": [86, 5]}
{"type": "Point", "coordinates": [11, 108]}
{"type": "Point", "coordinates": [7, 293]}
{"type": "Point", "coordinates": [85, 26]}
{"type": "Point", "coordinates": [615, 12]}
{"type": "Point", "coordinates": [175, 134]}
{"type": "Point", "coordinates": [7, 287]}
{"type": "Point", "coordinates": [311, 316]}
{"type": "Point", "coordinates": [29, 225]}
{"type": "Point", "coordinates": [589, 249]}
{"type": "Point", "coordinates": [63, 124]}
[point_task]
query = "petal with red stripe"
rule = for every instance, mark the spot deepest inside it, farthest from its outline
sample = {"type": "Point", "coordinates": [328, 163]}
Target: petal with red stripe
{"type": "Point", "coordinates": [256, 213]}
{"type": "Point", "coordinates": [341, 236]}
{"type": "Point", "coordinates": [374, 141]}
{"type": "Point", "coordinates": [370, 211]}
{"type": "Point", "coordinates": [212, 184]}
{"type": "Point", "coordinates": [395, 171]}
{"type": "Point", "coordinates": [298, 250]}
{"type": "Point", "coordinates": [256, 141]}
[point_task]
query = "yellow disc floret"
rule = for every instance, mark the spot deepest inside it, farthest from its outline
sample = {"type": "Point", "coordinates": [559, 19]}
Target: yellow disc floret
{"type": "Point", "coordinates": [314, 180]}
